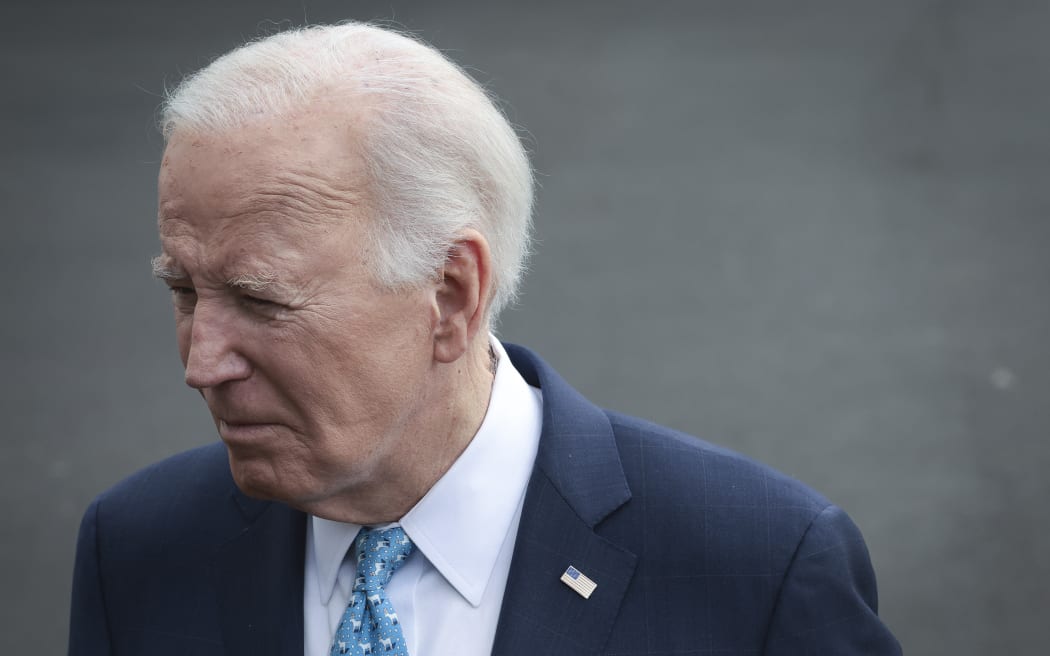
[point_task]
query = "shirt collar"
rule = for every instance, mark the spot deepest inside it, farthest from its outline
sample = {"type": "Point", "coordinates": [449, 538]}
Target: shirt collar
{"type": "Point", "coordinates": [460, 525]}
{"type": "Point", "coordinates": [331, 541]}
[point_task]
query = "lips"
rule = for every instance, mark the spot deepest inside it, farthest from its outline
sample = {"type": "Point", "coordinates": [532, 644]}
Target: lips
{"type": "Point", "coordinates": [245, 431]}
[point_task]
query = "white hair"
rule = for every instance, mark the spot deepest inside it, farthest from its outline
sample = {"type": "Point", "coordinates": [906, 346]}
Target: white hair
{"type": "Point", "coordinates": [440, 156]}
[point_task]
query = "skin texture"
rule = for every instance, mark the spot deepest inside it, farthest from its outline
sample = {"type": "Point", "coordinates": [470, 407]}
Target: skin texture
{"type": "Point", "coordinates": [332, 393]}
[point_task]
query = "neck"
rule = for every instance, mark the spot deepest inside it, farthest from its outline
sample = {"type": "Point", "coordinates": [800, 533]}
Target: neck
{"type": "Point", "coordinates": [429, 444]}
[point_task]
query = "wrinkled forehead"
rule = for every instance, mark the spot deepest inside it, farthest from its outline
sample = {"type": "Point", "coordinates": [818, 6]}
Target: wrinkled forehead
{"type": "Point", "coordinates": [306, 166]}
{"type": "Point", "coordinates": [322, 135]}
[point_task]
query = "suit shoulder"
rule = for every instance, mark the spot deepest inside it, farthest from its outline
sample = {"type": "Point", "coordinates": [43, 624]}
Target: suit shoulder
{"type": "Point", "coordinates": [165, 498]}
{"type": "Point", "coordinates": [707, 504]}
{"type": "Point", "coordinates": [720, 476]}
{"type": "Point", "coordinates": [201, 471]}
{"type": "Point", "coordinates": [790, 570]}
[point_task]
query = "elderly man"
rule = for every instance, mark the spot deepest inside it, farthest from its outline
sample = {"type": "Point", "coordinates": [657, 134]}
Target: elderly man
{"type": "Point", "coordinates": [342, 215]}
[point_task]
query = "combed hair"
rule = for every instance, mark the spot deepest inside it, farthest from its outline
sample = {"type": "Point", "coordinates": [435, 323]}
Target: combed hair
{"type": "Point", "coordinates": [440, 155]}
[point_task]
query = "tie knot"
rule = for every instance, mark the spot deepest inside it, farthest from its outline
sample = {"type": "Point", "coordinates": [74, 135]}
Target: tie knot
{"type": "Point", "coordinates": [378, 554]}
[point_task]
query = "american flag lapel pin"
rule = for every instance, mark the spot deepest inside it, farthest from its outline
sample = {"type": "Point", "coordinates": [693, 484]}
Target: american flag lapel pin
{"type": "Point", "coordinates": [579, 582]}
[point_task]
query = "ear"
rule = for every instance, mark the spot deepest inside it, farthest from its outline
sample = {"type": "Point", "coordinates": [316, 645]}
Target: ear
{"type": "Point", "coordinates": [463, 295]}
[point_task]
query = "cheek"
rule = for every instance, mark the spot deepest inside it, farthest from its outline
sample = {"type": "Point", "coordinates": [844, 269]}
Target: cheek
{"type": "Point", "coordinates": [346, 375]}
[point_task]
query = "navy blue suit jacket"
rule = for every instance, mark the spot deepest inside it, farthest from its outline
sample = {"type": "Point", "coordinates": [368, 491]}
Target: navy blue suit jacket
{"type": "Point", "coordinates": [695, 550]}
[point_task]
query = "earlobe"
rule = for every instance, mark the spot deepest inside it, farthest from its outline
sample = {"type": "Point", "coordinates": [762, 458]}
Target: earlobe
{"type": "Point", "coordinates": [462, 296]}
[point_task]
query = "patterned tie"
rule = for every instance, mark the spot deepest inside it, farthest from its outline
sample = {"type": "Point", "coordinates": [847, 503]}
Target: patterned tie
{"type": "Point", "coordinates": [370, 625]}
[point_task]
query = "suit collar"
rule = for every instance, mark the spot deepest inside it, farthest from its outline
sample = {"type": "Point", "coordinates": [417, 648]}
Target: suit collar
{"type": "Point", "coordinates": [577, 482]}
{"type": "Point", "coordinates": [577, 450]}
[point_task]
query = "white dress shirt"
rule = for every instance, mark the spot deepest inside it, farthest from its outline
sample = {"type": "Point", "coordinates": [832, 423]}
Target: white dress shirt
{"type": "Point", "coordinates": [449, 592]}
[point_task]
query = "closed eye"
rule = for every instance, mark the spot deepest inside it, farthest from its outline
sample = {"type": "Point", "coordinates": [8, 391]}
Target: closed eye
{"type": "Point", "coordinates": [258, 302]}
{"type": "Point", "coordinates": [183, 298]}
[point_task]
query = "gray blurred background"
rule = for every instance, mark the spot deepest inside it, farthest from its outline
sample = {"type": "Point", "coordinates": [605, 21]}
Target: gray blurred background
{"type": "Point", "coordinates": [815, 232]}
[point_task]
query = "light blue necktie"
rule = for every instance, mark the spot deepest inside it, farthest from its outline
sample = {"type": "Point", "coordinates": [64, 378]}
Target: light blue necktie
{"type": "Point", "coordinates": [369, 624]}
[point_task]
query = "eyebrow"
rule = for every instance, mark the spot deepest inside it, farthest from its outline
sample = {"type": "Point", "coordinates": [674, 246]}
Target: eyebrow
{"type": "Point", "coordinates": [255, 282]}
{"type": "Point", "coordinates": [163, 269]}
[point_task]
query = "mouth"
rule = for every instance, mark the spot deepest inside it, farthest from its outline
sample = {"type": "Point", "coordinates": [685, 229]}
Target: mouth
{"type": "Point", "coordinates": [232, 432]}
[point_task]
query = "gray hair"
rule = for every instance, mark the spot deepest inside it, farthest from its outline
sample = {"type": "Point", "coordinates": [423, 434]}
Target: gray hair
{"type": "Point", "coordinates": [440, 155]}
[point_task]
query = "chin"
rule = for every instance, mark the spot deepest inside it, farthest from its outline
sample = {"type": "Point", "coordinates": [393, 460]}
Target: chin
{"type": "Point", "coordinates": [253, 487]}
{"type": "Point", "coordinates": [259, 479]}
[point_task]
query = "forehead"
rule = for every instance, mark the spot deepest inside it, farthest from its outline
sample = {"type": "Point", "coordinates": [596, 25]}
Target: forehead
{"type": "Point", "coordinates": [268, 187]}
{"type": "Point", "coordinates": [311, 156]}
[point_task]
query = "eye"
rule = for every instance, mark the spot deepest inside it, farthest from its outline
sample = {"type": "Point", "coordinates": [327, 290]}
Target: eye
{"type": "Point", "coordinates": [255, 300]}
{"type": "Point", "coordinates": [184, 298]}
{"type": "Point", "coordinates": [183, 295]}
{"type": "Point", "coordinates": [263, 306]}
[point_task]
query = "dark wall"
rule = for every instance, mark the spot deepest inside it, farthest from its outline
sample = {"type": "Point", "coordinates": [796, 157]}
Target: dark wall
{"type": "Point", "coordinates": [815, 232]}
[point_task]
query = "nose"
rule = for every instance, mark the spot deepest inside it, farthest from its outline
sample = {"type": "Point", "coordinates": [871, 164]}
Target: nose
{"type": "Point", "coordinates": [211, 355]}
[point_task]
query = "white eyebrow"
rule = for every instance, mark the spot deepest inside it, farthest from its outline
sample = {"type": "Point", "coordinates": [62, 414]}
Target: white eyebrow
{"type": "Point", "coordinates": [162, 270]}
{"type": "Point", "coordinates": [255, 282]}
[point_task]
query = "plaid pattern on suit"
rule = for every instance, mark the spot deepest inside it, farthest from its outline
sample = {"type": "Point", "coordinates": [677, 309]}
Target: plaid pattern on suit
{"type": "Point", "coordinates": [695, 549]}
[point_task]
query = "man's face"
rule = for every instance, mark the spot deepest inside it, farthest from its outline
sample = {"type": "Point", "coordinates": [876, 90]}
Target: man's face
{"type": "Point", "coordinates": [312, 372]}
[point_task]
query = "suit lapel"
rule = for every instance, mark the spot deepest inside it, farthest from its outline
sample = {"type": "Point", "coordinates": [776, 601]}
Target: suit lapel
{"type": "Point", "coordinates": [258, 577]}
{"type": "Point", "coordinates": [577, 482]}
